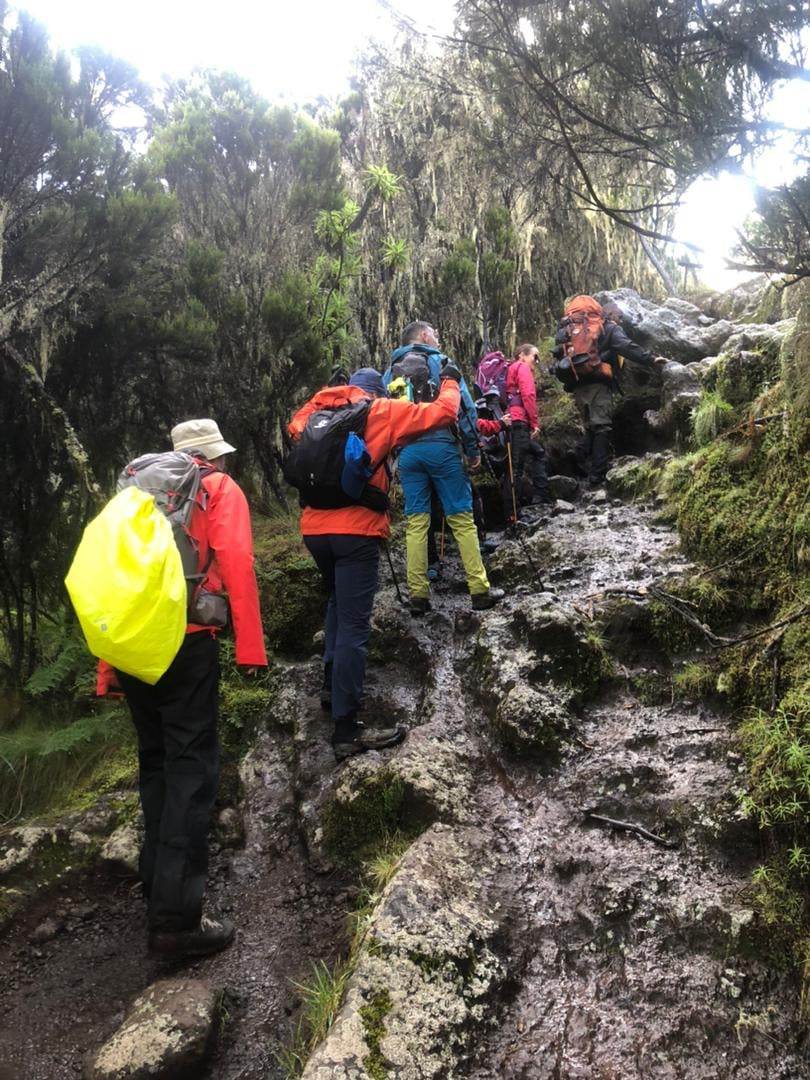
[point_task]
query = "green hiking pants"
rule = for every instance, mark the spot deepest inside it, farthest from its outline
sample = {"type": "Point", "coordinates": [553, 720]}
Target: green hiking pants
{"type": "Point", "coordinates": [463, 528]}
{"type": "Point", "coordinates": [595, 404]}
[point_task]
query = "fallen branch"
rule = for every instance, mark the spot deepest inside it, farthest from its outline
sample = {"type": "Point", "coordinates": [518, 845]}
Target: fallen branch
{"type": "Point", "coordinates": [630, 826]}
{"type": "Point", "coordinates": [715, 640]}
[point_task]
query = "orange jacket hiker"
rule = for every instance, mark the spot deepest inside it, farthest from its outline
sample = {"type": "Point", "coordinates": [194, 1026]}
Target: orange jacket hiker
{"type": "Point", "coordinates": [391, 423]}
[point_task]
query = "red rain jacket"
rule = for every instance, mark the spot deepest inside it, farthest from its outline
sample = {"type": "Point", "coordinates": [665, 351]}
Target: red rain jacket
{"type": "Point", "coordinates": [390, 423]}
{"type": "Point", "coordinates": [520, 385]}
{"type": "Point", "coordinates": [224, 527]}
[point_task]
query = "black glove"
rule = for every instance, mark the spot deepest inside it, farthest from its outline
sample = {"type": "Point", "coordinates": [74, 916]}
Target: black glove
{"type": "Point", "coordinates": [450, 371]}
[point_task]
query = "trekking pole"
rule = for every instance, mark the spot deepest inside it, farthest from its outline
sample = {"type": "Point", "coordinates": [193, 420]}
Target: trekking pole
{"type": "Point", "coordinates": [511, 476]}
{"type": "Point", "coordinates": [520, 537]}
{"type": "Point", "coordinates": [393, 574]}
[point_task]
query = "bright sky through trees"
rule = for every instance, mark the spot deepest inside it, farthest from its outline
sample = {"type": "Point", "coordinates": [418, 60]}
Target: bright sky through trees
{"type": "Point", "coordinates": [304, 50]}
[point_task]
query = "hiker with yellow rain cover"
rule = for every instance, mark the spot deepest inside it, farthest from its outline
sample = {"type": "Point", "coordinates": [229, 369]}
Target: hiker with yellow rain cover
{"type": "Point", "coordinates": [162, 570]}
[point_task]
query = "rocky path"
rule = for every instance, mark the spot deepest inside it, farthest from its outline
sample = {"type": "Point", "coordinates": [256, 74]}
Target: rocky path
{"type": "Point", "coordinates": [574, 950]}
{"type": "Point", "coordinates": [519, 937]}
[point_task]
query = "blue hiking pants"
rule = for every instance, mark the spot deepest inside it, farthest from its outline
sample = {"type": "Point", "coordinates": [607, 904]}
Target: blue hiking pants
{"type": "Point", "coordinates": [435, 464]}
{"type": "Point", "coordinates": [349, 566]}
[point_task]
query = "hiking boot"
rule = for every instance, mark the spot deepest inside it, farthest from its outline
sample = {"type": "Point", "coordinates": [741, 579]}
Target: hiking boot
{"type": "Point", "coordinates": [420, 605]}
{"type": "Point", "coordinates": [484, 601]}
{"type": "Point", "coordinates": [210, 936]}
{"type": "Point", "coordinates": [346, 746]}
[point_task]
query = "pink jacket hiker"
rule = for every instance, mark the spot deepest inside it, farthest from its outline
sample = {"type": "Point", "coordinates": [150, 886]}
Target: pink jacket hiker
{"type": "Point", "coordinates": [520, 385]}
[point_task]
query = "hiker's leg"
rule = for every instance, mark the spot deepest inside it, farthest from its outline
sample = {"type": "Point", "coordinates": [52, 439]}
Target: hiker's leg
{"type": "Point", "coordinates": [601, 414]}
{"type": "Point", "coordinates": [357, 564]}
{"type": "Point", "coordinates": [582, 451]}
{"type": "Point", "coordinates": [520, 448]}
{"type": "Point", "coordinates": [188, 696]}
{"type": "Point", "coordinates": [478, 514]}
{"type": "Point", "coordinates": [455, 493]}
{"type": "Point", "coordinates": [320, 548]}
{"type": "Point", "coordinates": [146, 718]}
{"type": "Point", "coordinates": [417, 527]}
{"type": "Point", "coordinates": [466, 535]}
{"type": "Point", "coordinates": [415, 478]}
{"type": "Point", "coordinates": [536, 470]}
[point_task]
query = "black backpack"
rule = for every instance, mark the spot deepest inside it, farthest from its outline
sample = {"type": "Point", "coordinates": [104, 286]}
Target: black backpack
{"type": "Point", "coordinates": [316, 462]}
{"type": "Point", "coordinates": [413, 367]}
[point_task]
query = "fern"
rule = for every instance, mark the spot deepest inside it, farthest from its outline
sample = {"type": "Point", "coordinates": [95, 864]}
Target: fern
{"type": "Point", "coordinates": [53, 674]}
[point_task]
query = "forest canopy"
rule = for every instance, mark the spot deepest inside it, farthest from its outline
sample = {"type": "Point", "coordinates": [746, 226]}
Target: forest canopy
{"type": "Point", "coordinates": [222, 254]}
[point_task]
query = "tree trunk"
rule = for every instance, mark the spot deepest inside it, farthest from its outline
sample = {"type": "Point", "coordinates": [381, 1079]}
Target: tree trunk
{"type": "Point", "coordinates": [669, 284]}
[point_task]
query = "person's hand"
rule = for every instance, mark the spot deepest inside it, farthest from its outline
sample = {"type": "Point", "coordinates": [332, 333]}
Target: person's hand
{"type": "Point", "coordinates": [450, 371]}
{"type": "Point", "coordinates": [506, 421]}
{"type": "Point", "coordinates": [250, 671]}
{"type": "Point", "coordinates": [535, 433]}
{"type": "Point", "coordinates": [474, 463]}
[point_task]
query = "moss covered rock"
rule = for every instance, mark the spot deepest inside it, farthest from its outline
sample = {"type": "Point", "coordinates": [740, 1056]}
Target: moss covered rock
{"type": "Point", "coordinates": [428, 971]}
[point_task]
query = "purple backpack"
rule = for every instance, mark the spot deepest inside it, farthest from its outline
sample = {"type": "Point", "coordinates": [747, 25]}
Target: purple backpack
{"type": "Point", "coordinates": [492, 372]}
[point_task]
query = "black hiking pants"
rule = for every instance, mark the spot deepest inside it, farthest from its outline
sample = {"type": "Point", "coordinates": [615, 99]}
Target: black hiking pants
{"type": "Point", "coordinates": [178, 755]}
{"type": "Point", "coordinates": [349, 566]}
{"type": "Point", "coordinates": [528, 467]}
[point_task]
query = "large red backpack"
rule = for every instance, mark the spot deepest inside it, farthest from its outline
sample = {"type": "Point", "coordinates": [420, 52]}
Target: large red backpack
{"type": "Point", "coordinates": [582, 324]}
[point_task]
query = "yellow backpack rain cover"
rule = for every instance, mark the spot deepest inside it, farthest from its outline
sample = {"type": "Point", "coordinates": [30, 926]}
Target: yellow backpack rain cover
{"type": "Point", "coordinates": [127, 586]}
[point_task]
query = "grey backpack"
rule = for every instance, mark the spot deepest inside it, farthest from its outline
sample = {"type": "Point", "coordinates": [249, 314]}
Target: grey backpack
{"type": "Point", "coordinates": [175, 481]}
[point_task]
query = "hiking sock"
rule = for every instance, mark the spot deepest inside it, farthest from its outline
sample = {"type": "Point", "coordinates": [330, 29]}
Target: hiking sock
{"type": "Point", "coordinates": [416, 535]}
{"type": "Point", "coordinates": [466, 536]}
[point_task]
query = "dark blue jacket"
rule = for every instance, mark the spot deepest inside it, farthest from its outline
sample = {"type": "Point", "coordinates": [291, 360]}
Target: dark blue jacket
{"type": "Point", "coordinates": [467, 416]}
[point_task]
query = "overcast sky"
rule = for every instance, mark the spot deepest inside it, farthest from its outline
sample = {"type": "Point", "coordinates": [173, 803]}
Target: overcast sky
{"type": "Point", "coordinates": [304, 49]}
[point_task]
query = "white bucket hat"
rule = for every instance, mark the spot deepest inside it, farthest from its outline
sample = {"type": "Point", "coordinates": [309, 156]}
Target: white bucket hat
{"type": "Point", "coordinates": [202, 435]}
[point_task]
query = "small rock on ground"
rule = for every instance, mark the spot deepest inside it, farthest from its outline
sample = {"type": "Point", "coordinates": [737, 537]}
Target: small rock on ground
{"type": "Point", "coordinates": [121, 849]}
{"type": "Point", "coordinates": [165, 1034]}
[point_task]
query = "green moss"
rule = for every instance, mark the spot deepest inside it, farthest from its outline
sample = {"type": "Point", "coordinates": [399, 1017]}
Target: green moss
{"type": "Point", "coordinates": [712, 416]}
{"type": "Point", "coordinates": [651, 688]}
{"type": "Point", "coordinates": [355, 824]}
{"type": "Point", "coordinates": [373, 1016]}
{"type": "Point", "coordinates": [695, 680]}
{"type": "Point", "coordinates": [290, 586]}
{"type": "Point", "coordinates": [636, 480]}
{"type": "Point", "coordinates": [702, 597]}
{"type": "Point", "coordinates": [740, 378]}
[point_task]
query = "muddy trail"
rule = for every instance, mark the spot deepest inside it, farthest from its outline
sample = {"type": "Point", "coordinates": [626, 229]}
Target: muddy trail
{"type": "Point", "coordinates": [521, 936]}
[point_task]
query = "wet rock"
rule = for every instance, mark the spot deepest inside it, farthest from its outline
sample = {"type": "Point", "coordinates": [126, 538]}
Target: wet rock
{"type": "Point", "coordinates": [563, 487]}
{"type": "Point", "coordinates": [165, 1034]}
{"type": "Point", "coordinates": [121, 850]}
{"type": "Point", "coordinates": [521, 559]}
{"type": "Point", "coordinates": [562, 507]}
{"type": "Point", "coordinates": [702, 368]}
{"type": "Point", "coordinates": [675, 329]}
{"type": "Point", "coordinates": [680, 394]}
{"type": "Point", "coordinates": [530, 721]}
{"type": "Point", "coordinates": [428, 971]}
{"type": "Point", "coordinates": [31, 855]}
{"type": "Point", "coordinates": [230, 827]}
